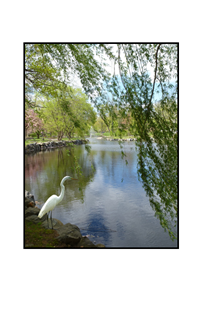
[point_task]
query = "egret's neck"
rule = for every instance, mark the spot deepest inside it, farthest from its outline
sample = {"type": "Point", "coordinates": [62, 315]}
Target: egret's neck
{"type": "Point", "coordinates": [61, 196]}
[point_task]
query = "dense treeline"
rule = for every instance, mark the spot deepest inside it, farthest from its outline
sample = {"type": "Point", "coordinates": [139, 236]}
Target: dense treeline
{"type": "Point", "coordinates": [66, 115]}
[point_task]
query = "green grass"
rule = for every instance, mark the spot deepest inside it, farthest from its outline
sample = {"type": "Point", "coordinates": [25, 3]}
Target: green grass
{"type": "Point", "coordinates": [74, 138]}
{"type": "Point", "coordinates": [38, 237]}
{"type": "Point", "coordinates": [40, 140]}
{"type": "Point", "coordinates": [107, 135]}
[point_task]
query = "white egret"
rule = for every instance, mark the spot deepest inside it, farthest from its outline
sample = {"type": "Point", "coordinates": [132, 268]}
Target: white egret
{"type": "Point", "coordinates": [52, 202]}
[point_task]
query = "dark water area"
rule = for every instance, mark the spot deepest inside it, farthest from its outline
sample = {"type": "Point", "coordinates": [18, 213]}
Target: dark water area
{"type": "Point", "coordinates": [111, 206]}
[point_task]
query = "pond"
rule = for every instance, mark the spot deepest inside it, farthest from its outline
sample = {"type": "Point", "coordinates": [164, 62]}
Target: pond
{"type": "Point", "coordinates": [110, 206]}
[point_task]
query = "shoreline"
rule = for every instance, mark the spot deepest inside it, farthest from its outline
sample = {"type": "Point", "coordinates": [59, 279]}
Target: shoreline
{"type": "Point", "coordinates": [36, 147]}
{"type": "Point", "coordinates": [68, 235]}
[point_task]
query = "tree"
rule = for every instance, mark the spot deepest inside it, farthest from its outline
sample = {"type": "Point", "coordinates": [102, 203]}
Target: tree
{"type": "Point", "coordinates": [81, 112]}
{"type": "Point", "coordinates": [68, 114]}
{"type": "Point", "coordinates": [33, 123]}
{"type": "Point", "coordinates": [100, 125]}
{"type": "Point", "coordinates": [55, 118]}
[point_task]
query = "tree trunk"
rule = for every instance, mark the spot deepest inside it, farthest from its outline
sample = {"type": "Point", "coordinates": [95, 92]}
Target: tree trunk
{"type": "Point", "coordinates": [60, 135]}
{"type": "Point", "coordinates": [69, 135]}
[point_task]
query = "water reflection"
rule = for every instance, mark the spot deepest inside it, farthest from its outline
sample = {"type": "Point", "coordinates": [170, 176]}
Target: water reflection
{"type": "Point", "coordinates": [115, 210]}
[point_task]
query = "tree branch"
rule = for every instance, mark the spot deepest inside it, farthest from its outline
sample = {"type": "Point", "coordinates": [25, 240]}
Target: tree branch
{"type": "Point", "coordinates": [154, 76]}
{"type": "Point", "coordinates": [28, 70]}
{"type": "Point", "coordinates": [119, 66]}
{"type": "Point", "coordinates": [128, 63]}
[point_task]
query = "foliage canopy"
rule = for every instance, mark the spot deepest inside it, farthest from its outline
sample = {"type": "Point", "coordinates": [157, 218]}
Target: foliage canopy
{"type": "Point", "coordinates": [68, 114]}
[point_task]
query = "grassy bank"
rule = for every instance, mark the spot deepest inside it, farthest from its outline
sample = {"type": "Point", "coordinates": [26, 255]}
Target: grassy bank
{"type": "Point", "coordinates": [40, 140]}
{"type": "Point", "coordinates": [107, 135]}
{"type": "Point", "coordinates": [29, 141]}
{"type": "Point", "coordinates": [38, 237]}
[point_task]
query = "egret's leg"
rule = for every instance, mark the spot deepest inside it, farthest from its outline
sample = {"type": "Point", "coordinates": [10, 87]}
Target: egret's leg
{"type": "Point", "coordinates": [47, 219]}
{"type": "Point", "coordinates": [52, 219]}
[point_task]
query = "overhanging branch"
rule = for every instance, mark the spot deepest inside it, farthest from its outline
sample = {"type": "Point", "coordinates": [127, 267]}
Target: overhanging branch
{"type": "Point", "coordinates": [154, 76]}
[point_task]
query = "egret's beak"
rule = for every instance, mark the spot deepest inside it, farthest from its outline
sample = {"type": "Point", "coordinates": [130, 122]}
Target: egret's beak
{"type": "Point", "coordinates": [74, 179]}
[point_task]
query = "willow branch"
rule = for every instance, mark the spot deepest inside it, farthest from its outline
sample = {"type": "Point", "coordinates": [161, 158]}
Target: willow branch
{"type": "Point", "coordinates": [154, 76]}
{"type": "Point", "coordinates": [128, 63]}
{"type": "Point", "coordinates": [120, 67]}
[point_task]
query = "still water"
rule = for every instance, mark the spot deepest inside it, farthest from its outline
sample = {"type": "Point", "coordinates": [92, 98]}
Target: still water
{"type": "Point", "coordinates": [108, 204]}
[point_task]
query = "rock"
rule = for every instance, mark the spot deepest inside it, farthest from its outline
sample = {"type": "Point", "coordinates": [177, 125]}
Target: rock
{"type": "Point", "coordinates": [29, 196]}
{"type": "Point", "coordinates": [85, 243]}
{"type": "Point", "coordinates": [100, 245]}
{"type": "Point", "coordinates": [56, 224]}
{"type": "Point", "coordinates": [35, 147]}
{"type": "Point", "coordinates": [43, 146]}
{"type": "Point", "coordinates": [38, 147]}
{"type": "Point", "coordinates": [31, 211]}
{"type": "Point", "coordinates": [69, 234]}
{"type": "Point", "coordinates": [29, 203]}
{"type": "Point", "coordinates": [35, 218]}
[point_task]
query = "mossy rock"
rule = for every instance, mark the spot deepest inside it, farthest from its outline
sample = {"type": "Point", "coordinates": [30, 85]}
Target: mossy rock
{"type": "Point", "coordinates": [30, 211]}
{"type": "Point", "coordinates": [56, 224]}
{"type": "Point", "coordinates": [35, 219]}
{"type": "Point", "coordinates": [69, 234]}
{"type": "Point", "coordinates": [85, 243]}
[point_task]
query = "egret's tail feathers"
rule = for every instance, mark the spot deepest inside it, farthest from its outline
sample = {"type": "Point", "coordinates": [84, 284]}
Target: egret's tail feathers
{"type": "Point", "coordinates": [40, 215]}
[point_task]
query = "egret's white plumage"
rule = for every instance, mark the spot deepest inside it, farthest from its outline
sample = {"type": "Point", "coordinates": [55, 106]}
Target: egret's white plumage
{"type": "Point", "coordinates": [49, 205]}
{"type": "Point", "coordinates": [52, 202]}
